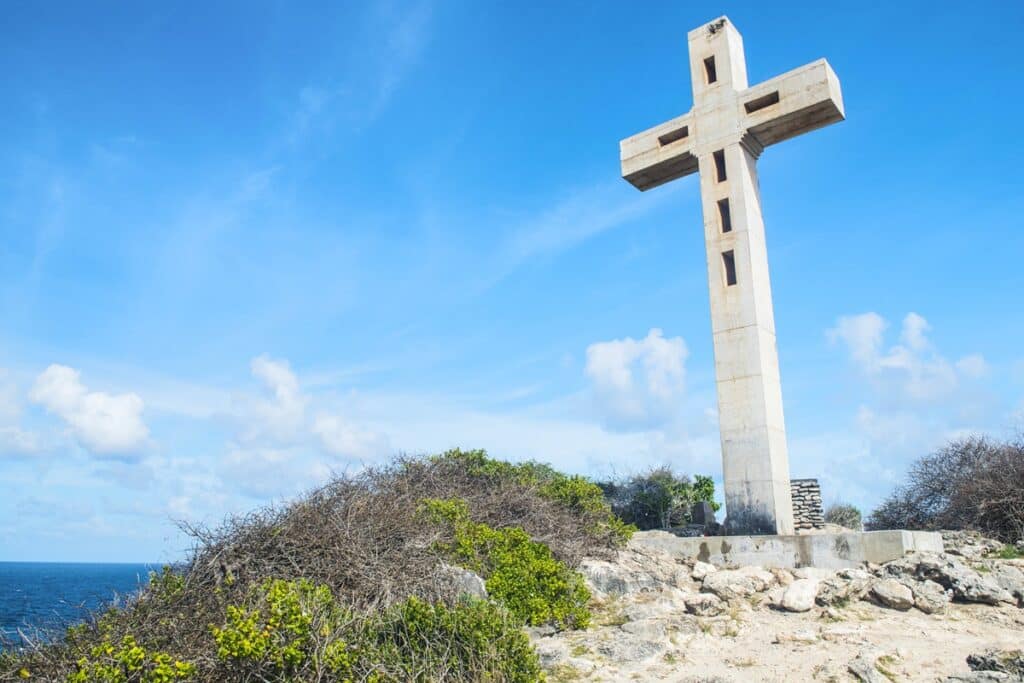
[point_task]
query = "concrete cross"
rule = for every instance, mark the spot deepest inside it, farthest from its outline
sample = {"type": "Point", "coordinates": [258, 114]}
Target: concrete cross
{"type": "Point", "coordinates": [722, 138]}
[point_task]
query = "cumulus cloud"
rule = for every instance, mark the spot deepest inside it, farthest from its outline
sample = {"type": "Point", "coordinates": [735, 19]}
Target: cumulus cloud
{"type": "Point", "coordinates": [105, 424]}
{"type": "Point", "coordinates": [637, 384]}
{"type": "Point", "coordinates": [342, 438]}
{"type": "Point", "coordinates": [913, 366]}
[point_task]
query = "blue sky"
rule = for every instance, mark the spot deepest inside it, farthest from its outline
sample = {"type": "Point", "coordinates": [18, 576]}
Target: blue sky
{"type": "Point", "coordinates": [244, 246]}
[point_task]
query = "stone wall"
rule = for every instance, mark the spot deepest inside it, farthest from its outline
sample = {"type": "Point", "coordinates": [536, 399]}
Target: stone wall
{"type": "Point", "coordinates": [807, 512]}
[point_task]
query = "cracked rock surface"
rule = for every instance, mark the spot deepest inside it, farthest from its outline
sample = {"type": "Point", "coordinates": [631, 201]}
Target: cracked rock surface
{"type": "Point", "coordinates": [916, 619]}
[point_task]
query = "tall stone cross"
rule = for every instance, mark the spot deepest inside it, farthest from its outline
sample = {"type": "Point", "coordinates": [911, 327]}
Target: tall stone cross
{"type": "Point", "coordinates": [722, 137]}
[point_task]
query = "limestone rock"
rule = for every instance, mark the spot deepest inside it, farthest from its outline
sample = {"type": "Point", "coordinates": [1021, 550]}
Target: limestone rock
{"type": "Point", "coordinates": [704, 605]}
{"type": "Point", "coordinates": [892, 593]}
{"type": "Point", "coordinates": [847, 586]}
{"type": "Point", "coordinates": [615, 579]}
{"type": "Point", "coordinates": [800, 595]}
{"type": "Point", "coordinates": [730, 584]}
{"type": "Point", "coordinates": [466, 582]}
{"type": "Point", "coordinates": [864, 670]}
{"type": "Point", "coordinates": [551, 651]}
{"type": "Point", "coordinates": [1011, 579]}
{"type": "Point", "coordinates": [626, 647]}
{"type": "Point", "coordinates": [981, 677]}
{"type": "Point", "coordinates": [969, 544]}
{"type": "Point", "coordinates": [657, 604]}
{"type": "Point", "coordinates": [805, 636]}
{"type": "Point", "coordinates": [762, 578]}
{"type": "Point", "coordinates": [701, 570]}
{"type": "Point", "coordinates": [930, 597]}
{"type": "Point", "coordinates": [1007, 661]}
{"type": "Point", "coordinates": [648, 629]}
{"type": "Point", "coordinates": [783, 577]}
{"type": "Point", "coordinates": [967, 585]}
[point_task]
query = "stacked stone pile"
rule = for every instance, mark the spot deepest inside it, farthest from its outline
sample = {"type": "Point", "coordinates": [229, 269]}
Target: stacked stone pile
{"type": "Point", "coordinates": [807, 510]}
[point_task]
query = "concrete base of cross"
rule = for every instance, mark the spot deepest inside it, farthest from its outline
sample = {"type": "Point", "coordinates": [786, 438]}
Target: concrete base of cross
{"type": "Point", "coordinates": [827, 551]}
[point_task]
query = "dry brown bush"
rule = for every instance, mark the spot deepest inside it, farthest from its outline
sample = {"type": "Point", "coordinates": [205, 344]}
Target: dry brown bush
{"type": "Point", "coordinates": [973, 483]}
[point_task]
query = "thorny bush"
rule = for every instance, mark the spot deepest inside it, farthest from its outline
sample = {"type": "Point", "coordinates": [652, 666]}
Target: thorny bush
{"type": "Point", "coordinates": [360, 539]}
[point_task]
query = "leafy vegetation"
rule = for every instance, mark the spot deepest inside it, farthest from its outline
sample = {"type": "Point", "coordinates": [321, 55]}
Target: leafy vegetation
{"type": "Point", "coordinates": [658, 498]}
{"type": "Point", "coordinates": [346, 583]}
{"type": "Point", "coordinates": [126, 662]}
{"type": "Point", "coordinates": [520, 573]}
{"type": "Point", "coordinates": [1009, 552]}
{"type": "Point", "coordinates": [296, 631]}
{"type": "Point", "coordinates": [844, 515]}
{"type": "Point", "coordinates": [576, 493]}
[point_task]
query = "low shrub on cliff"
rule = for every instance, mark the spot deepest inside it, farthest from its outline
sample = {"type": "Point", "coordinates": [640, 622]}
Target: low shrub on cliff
{"type": "Point", "coordinates": [520, 574]}
{"type": "Point", "coordinates": [296, 631]}
{"type": "Point", "coordinates": [346, 583]}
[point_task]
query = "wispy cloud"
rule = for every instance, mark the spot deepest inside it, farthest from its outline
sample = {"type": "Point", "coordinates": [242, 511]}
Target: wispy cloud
{"type": "Point", "coordinates": [913, 366]}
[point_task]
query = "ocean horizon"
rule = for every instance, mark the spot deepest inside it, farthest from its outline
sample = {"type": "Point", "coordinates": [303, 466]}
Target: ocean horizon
{"type": "Point", "coordinates": [44, 597]}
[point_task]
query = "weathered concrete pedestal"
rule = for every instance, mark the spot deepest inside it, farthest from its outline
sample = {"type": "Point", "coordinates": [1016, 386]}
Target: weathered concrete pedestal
{"type": "Point", "coordinates": [827, 551]}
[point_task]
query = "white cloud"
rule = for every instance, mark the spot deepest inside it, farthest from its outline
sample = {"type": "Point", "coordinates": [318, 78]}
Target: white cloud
{"type": "Point", "coordinates": [347, 440]}
{"type": "Point", "coordinates": [973, 366]}
{"type": "Point", "coordinates": [914, 367]}
{"type": "Point", "coordinates": [13, 439]}
{"type": "Point", "coordinates": [17, 441]}
{"type": "Point", "coordinates": [288, 438]}
{"type": "Point", "coordinates": [100, 422]}
{"type": "Point", "coordinates": [637, 384]}
{"type": "Point", "coordinates": [862, 335]}
{"type": "Point", "coordinates": [282, 418]}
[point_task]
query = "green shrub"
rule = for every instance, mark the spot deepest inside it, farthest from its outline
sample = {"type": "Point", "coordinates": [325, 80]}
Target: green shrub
{"type": "Point", "coordinates": [519, 572]}
{"type": "Point", "coordinates": [290, 622]}
{"type": "Point", "coordinates": [1009, 552]}
{"type": "Point", "coordinates": [580, 495]}
{"type": "Point", "coordinates": [658, 498]}
{"type": "Point", "coordinates": [128, 662]}
{"type": "Point", "coordinates": [473, 641]}
{"type": "Point", "coordinates": [845, 515]}
{"type": "Point", "coordinates": [166, 585]}
{"type": "Point", "coordinates": [295, 631]}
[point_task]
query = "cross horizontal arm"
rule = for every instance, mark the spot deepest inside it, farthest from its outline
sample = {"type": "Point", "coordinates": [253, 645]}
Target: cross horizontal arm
{"type": "Point", "coordinates": [659, 154]}
{"type": "Point", "coordinates": [796, 102]}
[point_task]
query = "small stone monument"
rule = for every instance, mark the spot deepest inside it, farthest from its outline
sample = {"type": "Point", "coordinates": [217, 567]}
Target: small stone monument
{"type": "Point", "coordinates": [702, 513]}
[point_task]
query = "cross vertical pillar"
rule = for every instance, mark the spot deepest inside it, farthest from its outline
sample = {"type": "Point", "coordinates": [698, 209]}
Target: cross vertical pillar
{"type": "Point", "coordinates": [722, 137]}
{"type": "Point", "coordinates": [755, 462]}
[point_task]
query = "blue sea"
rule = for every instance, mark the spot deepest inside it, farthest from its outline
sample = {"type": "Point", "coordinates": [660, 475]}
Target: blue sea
{"type": "Point", "coordinates": [54, 594]}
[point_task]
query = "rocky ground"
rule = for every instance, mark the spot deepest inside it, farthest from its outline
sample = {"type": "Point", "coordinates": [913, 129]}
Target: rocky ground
{"type": "Point", "coordinates": [919, 618]}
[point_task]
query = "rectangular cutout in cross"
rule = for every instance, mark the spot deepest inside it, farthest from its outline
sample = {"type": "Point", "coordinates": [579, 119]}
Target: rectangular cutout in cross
{"type": "Point", "coordinates": [762, 102]}
{"type": "Point", "coordinates": [719, 165]}
{"type": "Point", "coordinates": [729, 261]}
{"type": "Point", "coordinates": [709, 70]}
{"type": "Point", "coordinates": [673, 135]}
{"type": "Point", "coordinates": [724, 217]}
